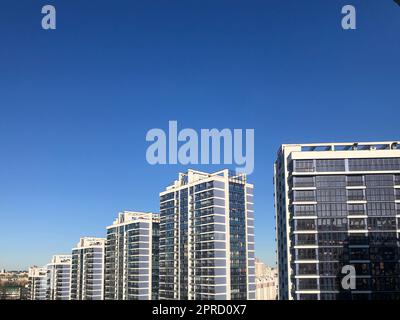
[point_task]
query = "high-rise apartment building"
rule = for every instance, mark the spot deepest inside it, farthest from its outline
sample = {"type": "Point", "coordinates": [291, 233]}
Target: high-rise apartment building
{"type": "Point", "coordinates": [87, 269]}
{"type": "Point", "coordinates": [59, 277]}
{"type": "Point", "coordinates": [131, 257]}
{"type": "Point", "coordinates": [37, 283]}
{"type": "Point", "coordinates": [337, 205]}
{"type": "Point", "coordinates": [207, 237]}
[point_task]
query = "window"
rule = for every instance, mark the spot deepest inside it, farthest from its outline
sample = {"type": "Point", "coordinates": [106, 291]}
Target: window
{"type": "Point", "coordinates": [307, 284]}
{"type": "Point", "coordinates": [331, 181]}
{"type": "Point", "coordinates": [356, 209]}
{"type": "Point", "coordinates": [329, 284]}
{"type": "Point", "coordinates": [332, 224]}
{"type": "Point", "coordinates": [330, 165]}
{"type": "Point", "coordinates": [332, 209]}
{"type": "Point", "coordinates": [382, 223]}
{"type": "Point", "coordinates": [306, 224]}
{"type": "Point", "coordinates": [332, 238]}
{"type": "Point", "coordinates": [308, 195]}
{"type": "Point", "coordinates": [330, 268]}
{"type": "Point", "coordinates": [380, 164]}
{"type": "Point", "coordinates": [355, 181]}
{"type": "Point", "coordinates": [304, 210]}
{"type": "Point", "coordinates": [381, 209]}
{"type": "Point", "coordinates": [357, 224]}
{"type": "Point", "coordinates": [302, 182]}
{"type": "Point", "coordinates": [305, 239]}
{"type": "Point", "coordinates": [359, 254]}
{"type": "Point", "coordinates": [306, 254]}
{"type": "Point", "coordinates": [380, 194]}
{"type": "Point", "coordinates": [303, 165]}
{"type": "Point", "coordinates": [379, 180]}
{"type": "Point", "coordinates": [355, 195]}
{"type": "Point", "coordinates": [331, 254]}
{"type": "Point", "coordinates": [331, 195]}
{"type": "Point", "coordinates": [307, 297]}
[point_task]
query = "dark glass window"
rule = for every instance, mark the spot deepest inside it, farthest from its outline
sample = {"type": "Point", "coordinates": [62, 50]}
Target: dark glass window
{"type": "Point", "coordinates": [355, 181]}
{"type": "Point", "coordinates": [355, 195]}
{"type": "Point", "coordinates": [303, 165]}
{"type": "Point", "coordinates": [330, 165]}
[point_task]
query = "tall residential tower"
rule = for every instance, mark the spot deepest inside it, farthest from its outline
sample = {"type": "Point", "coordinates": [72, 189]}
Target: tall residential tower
{"type": "Point", "coordinates": [337, 208]}
{"type": "Point", "coordinates": [131, 257]}
{"type": "Point", "coordinates": [59, 277]}
{"type": "Point", "coordinates": [37, 283]}
{"type": "Point", "coordinates": [87, 269]}
{"type": "Point", "coordinates": [207, 237]}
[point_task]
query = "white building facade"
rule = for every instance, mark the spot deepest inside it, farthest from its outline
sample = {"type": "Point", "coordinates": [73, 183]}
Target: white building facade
{"type": "Point", "coordinates": [37, 283]}
{"type": "Point", "coordinates": [266, 282]}
{"type": "Point", "coordinates": [59, 278]}
{"type": "Point", "coordinates": [131, 257]}
{"type": "Point", "coordinates": [207, 237]}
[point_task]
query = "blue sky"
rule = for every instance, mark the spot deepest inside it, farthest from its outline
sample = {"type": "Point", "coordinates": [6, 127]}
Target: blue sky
{"type": "Point", "coordinates": [76, 103]}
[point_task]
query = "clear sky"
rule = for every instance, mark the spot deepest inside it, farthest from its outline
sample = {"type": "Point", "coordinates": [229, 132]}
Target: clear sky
{"type": "Point", "coordinates": [76, 103]}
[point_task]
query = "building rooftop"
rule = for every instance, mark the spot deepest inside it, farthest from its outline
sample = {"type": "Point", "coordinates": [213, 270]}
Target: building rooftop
{"type": "Point", "coordinates": [90, 242]}
{"type": "Point", "coordinates": [346, 146]}
{"type": "Point", "coordinates": [126, 217]}
{"type": "Point", "coordinates": [193, 176]}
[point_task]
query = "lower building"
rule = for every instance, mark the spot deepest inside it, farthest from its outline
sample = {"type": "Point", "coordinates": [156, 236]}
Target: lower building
{"type": "Point", "coordinates": [266, 288]}
{"type": "Point", "coordinates": [266, 282]}
{"type": "Point", "coordinates": [37, 285]}
{"type": "Point", "coordinates": [59, 277]}
{"type": "Point", "coordinates": [131, 257]}
{"type": "Point", "coordinates": [87, 269]}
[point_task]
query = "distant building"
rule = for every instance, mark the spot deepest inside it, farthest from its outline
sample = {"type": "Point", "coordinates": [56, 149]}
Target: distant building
{"type": "Point", "coordinates": [37, 285]}
{"type": "Point", "coordinates": [58, 278]}
{"type": "Point", "coordinates": [11, 293]}
{"type": "Point", "coordinates": [266, 288]}
{"type": "Point", "coordinates": [87, 269]}
{"type": "Point", "coordinates": [261, 269]}
{"type": "Point", "coordinates": [13, 285]}
{"type": "Point", "coordinates": [131, 257]}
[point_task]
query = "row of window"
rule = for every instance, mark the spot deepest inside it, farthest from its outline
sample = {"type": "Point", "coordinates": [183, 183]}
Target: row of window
{"type": "Point", "coordinates": [343, 195]}
{"type": "Point", "coordinates": [339, 165]}
{"type": "Point", "coordinates": [341, 181]}
{"type": "Point", "coordinates": [337, 224]}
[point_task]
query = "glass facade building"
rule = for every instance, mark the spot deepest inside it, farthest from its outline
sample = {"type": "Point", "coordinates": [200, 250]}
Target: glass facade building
{"type": "Point", "coordinates": [207, 237]}
{"type": "Point", "coordinates": [59, 278]}
{"type": "Point", "coordinates": [87, 269]}
{"type": "Point", "coordinates": [131, 257]}
{"type": "Point", "coordinates": [338, 205]}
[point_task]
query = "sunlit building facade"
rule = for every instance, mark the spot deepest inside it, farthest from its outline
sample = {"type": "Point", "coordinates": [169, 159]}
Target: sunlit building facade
{"type": "Point", "coordinates": [87, 269]}
{"type": "Point", "coordinates": [59, 278]}
{"type": "Point", "coordinates": [131, 257]}
{"type": "Point", "coordinates": [337, 205]}
{"type": "Point", "coordinates": [37, 283]}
